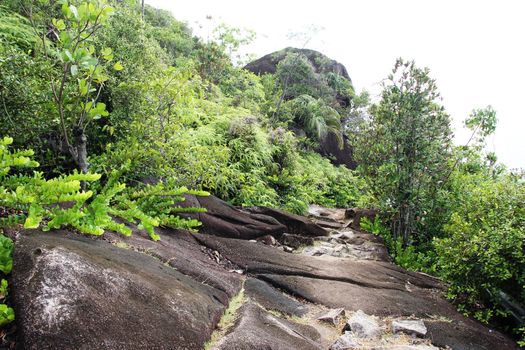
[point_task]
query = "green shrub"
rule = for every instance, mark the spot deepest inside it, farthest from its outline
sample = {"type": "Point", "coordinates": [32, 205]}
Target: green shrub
{"type": "Point", "coordinates": [408, 257]}
{"type": "Point", "coordinates": [57, 202]}
{"type": "Point", "coordinates": [483, 252]}
{"type": "Point", "coordinates": [6, 249]}
{"type": "Point", "coordinates": [7, 314]}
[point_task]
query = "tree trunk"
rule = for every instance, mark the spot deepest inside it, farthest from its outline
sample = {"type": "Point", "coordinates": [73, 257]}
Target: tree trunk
{"type": "Point", "coordinates": [80, 149]}
{"type": "Point", "coordinates": [278, 107]}
{"type": "Point", "coordinates": [403, 224]}
{"type": "Point", "coordinates": [143, 10]}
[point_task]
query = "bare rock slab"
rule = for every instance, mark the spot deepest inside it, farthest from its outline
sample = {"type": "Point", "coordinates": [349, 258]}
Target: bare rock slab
{"type": "Point", "coordinates": [411, 327]}
{"type": "Point", "coordinates": [223, 219]}
{"type": "Point", "coordinates": [363, 325]}
{"type": "Point", "coordinates": [333, 316]}
{"type": "Point", "coordinates": [257, 329]}
{"type": "Point", "coordinates": [272, 299]}
{"type": "Point", "coordinates": [295, 224]}
{"type": "Point", "coordinates": [73, 292]}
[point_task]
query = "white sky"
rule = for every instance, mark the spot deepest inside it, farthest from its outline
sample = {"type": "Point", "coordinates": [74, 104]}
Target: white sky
{"type": "Point", "coordinates": [474, 49]}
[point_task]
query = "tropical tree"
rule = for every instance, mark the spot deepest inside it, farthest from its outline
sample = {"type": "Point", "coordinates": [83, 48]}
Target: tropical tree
{"type": "Point", "coordinates": [405, 146]}
{"type": "Point", "coordinates": [82, 71]}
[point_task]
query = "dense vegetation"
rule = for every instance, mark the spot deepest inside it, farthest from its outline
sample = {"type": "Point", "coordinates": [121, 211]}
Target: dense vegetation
{"type": "Point", "coordinates": [448, 211]}
{"type": "Point", "coordinates": [122, 114]}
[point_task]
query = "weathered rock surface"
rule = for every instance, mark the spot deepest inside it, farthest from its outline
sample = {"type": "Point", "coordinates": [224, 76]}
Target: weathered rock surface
{"type": "Point", "coordinates": [295, 241]}
{"type": "Point", "coordinates": [321, 63]}
{"type": "Point", "coordinates": [363, 325]}
{"type": "Point", "coordinates": [295, 224]}
{"type": "Point", "coordinates": [73, 292]}
{"type": "Point", "coordinates": [376, 287]}
{"type": "Point", "coordinates": [272, 299]}
{"type": "Point", "coordinates": [345, 342]}
{"type": "Point", "coordinates": [77, 293]}
{"type": "Point", "coordinates": [223, 219]}
{"type": "Point", "coordinates": [180, 250]}
{"type": "Point", "coordinates": [258, 329]}
{"type": "Point", "coordinates": [411, 327]}
{"type": "Point", "coordinates": [329, 147]}
{"type": "Point", "coordinates": [335, 215]}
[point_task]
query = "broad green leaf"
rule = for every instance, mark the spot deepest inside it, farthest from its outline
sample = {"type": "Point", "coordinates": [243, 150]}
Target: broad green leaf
{"type": "Point", "coordinates": [83, 86]}
{"type": "Point", "coordinates": [74, 70]}
{"type": "Point", "coordinates": [74, 11]}
{"type": "Point", "coordinates": [68, 55]}
{"type": "Point", "coordinates": [118, 66]}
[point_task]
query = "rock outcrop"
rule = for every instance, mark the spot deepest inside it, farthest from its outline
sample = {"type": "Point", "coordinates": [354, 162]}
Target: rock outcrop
{"type": "Point", "coordinates": [329, 147]}
{"type": "Point", "coordinates": [223, 219]}
{"type": "Point", "coordinates": [72, 292]}
{"type": "Point", "coordinates": [322, 65]}
{"type": "Point", "coordinates": [320, 62]}
{"type": "Point", "coordinates": [116, 292]}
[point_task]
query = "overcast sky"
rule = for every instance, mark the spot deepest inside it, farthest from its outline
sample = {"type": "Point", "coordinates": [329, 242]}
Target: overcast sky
{"type": "Point", "coordinates": [474, 49]}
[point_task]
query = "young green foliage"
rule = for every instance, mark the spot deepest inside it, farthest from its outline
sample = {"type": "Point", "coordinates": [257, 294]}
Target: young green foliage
{"type": "Point", "coordinates": [7, 314]}
{"type": "Point", "coordinates": [58, 202]}
{"type": "Point", "coordinates": [82, 71]}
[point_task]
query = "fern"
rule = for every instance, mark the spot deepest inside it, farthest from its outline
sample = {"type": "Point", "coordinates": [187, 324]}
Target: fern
{"type": "Point", "coordinates": [16, 29]}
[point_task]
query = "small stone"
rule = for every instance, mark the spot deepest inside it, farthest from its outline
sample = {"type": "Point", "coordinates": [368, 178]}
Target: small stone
{"type": "Point", "coordinates": [333, 316]}
{"type": "Point", "coordinates": [344, 235]}
{"type": "Point", "coordinates": [295, 241]}
{"type": "Point", "coordinates": [345, 342]}
{"type": "Point", "coordinates": [268, 240]}
{"type": "Point", "coordinates": [287, 249]}
{"type": "Point", "coordinates": [412, 327]}
{"type": "Point", "coordinates": [363, 325]}
{"type": "Point", "coordinates": [339, 248]}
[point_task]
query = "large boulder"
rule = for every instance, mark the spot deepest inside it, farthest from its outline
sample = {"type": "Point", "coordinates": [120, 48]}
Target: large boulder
{"type": "Point", "coordinates": [321, 63]}
{"type": "Point", "coordinates": [77, 293]}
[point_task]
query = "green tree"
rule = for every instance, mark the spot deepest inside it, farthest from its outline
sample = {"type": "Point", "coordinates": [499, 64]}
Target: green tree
{"type": "Point", "coordinates": [405, 146]}
{"type": "Point", "coordinates": [82, 72]}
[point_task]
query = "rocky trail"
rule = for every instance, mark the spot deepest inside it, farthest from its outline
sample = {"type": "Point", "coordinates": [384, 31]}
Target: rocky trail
{"type": "Point", "coordinates": [254, 278]}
